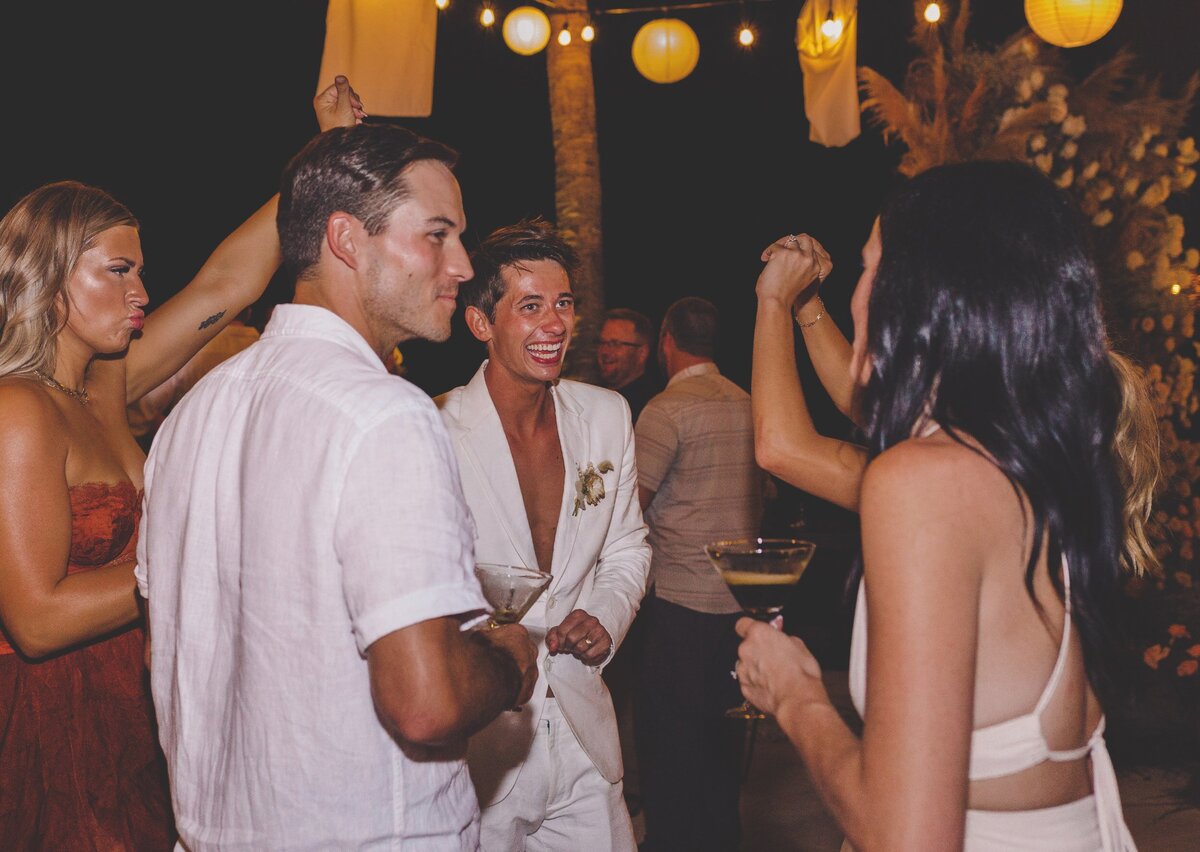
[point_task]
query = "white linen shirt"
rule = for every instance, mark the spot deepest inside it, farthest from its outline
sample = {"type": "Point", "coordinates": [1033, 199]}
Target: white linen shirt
{"type": "Point", "coordinates": [300, 504]}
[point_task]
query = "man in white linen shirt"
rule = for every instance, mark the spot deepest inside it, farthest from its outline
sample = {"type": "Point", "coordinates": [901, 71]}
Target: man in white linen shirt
{"type": "Point", "coordinates": [306, 549]}
{"type": "Point", "coordinates": [548, 469]}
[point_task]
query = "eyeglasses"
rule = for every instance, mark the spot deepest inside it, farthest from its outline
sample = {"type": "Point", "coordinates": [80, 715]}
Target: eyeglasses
{"type": "Point", "coordinates": [610, 344]}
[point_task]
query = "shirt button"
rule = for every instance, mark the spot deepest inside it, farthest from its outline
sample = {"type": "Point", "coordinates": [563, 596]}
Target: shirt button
{"type": "Point", "coordinates": [551, 602]}
{"type": "Point", "coordinates": [549, 663]}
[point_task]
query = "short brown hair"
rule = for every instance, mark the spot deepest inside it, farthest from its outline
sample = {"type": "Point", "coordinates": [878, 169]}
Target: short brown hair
{"type": "Point", "coordinates": [528, 240]}
{"type": "Point", "coordinates": [358, 170]}
{"type": "Point", "coordinates": [692, 323]}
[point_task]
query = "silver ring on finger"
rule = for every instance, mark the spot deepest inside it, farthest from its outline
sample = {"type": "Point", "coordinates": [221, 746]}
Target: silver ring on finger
{"type": "Point", "coordinates": [589, 641]}
{"type": "Point", "coordinates": [791, 239]}
{"type": "Point", "coordinates": [733, 674]}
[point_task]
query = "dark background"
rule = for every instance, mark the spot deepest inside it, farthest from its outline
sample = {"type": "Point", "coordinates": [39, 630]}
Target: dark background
{"type": "Point", "coordinates": [188, 112]}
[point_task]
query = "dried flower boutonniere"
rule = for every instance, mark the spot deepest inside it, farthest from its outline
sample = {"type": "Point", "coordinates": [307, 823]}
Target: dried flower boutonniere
{"type": "Point", "coordinates": [589, 487]}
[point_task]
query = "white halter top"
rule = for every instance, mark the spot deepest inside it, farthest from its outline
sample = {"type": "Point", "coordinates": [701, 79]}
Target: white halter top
{"type": "Point", "coordinates": [1018, 744]}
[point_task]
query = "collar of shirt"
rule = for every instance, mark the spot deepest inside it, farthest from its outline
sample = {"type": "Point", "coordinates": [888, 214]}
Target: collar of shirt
{"type": "Point", "coordinates": [694, 370]}
{"type": "Point", "coordinates": [312, 321]}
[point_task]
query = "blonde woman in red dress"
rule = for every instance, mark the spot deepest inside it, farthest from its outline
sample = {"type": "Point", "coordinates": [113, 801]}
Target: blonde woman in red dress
{"type": "Point", "coordinates": [80, 766]}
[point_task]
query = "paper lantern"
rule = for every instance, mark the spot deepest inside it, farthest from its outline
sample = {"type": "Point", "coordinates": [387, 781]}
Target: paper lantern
{"type": "Point", "coordinates": [1071, 23]}
{"type": "Point", "coordinates": [666, 50]}
{"type": "Point", "coordinates": [526, 30]}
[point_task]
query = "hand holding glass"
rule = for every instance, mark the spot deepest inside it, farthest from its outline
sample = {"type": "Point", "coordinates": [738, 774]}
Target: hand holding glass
{"type": "Point", "coordinates": [510, 589]}
{"type": "Point", "coordinates": [760, 572]}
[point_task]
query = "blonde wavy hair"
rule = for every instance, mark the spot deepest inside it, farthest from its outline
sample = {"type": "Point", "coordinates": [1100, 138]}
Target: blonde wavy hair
{"type": "Point", "coordinates": [41, 240]}
{"type": "Point", "coordinates": [1139, 463]}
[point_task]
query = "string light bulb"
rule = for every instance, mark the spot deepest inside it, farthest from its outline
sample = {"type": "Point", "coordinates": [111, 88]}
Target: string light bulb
{"type": "Point", "coordinates": [831, 28]}
{"type": "Point", "coordinates": [442, 5]}
{"type": "Point", "coordinates": [487, 17]}
{"type": "Point", "coordinates": [1176, 289]}
{"type": "Point", "coordinates": [564, 35]}
{"type": "Point", "coordinates": [933, 13]}
{"type": "Point", "coordinates": [745, 36]}
{"type": "Point", "coordinates": [588, 33]}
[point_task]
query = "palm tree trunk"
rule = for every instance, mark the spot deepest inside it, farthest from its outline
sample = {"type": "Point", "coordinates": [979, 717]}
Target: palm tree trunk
{"type": "Point", "coordinates": [577, 175]}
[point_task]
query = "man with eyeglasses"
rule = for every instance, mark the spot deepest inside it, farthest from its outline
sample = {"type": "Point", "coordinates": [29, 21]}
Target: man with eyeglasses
{"type": "Point", "coordinates": [621, 354]}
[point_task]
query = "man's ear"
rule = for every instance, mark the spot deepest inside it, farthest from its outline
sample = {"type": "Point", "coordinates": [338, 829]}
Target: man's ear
{"type": "Point", "coordinates": [642, 355]}
{"type": "Point", "coordinates": [478, 323]}
{"type": "Point", "coordinates": [345, 237]}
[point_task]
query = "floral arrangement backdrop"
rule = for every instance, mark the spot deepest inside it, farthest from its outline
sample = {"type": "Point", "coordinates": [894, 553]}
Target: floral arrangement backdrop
{"type": "Point", "coordinates": [1115, 141]}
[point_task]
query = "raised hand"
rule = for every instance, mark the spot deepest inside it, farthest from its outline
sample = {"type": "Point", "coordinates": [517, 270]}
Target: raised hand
{"type": "Point", "coordinates": [582, 636]}
{"type": "Point", "coordinates": [793, 265]}
{"type": "Point", "coordinates": [338, 105]}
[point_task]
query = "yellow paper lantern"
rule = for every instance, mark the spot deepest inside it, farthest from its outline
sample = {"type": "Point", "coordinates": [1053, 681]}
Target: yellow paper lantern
{"type": "Point", "coordinates": [526, 30]}
{"type": "Point", "coordinates": [1071, 23]}
{"type": "Point", "coordinates": [666, 50]}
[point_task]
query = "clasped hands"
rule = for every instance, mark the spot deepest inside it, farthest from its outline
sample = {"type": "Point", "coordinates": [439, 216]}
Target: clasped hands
{"type": "Point", "coordinates": [794, 264]}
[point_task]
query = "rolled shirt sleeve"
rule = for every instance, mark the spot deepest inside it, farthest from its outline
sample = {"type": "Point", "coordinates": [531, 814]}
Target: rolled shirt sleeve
{"type": "Point", "coordinates": [404, 535]}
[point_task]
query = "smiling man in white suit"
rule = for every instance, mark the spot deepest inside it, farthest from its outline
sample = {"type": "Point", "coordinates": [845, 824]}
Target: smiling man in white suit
{"type": "Point", "coordinates": [548, 470]}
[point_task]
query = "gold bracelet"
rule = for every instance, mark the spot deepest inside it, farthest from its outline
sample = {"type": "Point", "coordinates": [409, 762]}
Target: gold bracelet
{"type": "Point", "coordinates": [814, 320]}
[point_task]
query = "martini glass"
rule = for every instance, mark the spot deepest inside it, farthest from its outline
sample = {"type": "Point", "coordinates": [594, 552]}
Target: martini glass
{"type": "Point", "coordinates": [760, 572]}
{"type": "Point", "coordinates": [510, 589]}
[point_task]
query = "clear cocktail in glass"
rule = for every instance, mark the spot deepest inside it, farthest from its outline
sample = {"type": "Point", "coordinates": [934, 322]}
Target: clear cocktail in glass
{"type": "Point", "coordinates": [510, 589]}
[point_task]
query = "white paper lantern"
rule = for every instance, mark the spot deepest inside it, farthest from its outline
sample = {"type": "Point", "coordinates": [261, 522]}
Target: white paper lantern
{"type": "Point", "coordinates": [526, 30]}
{"type": "Point", "coordinates": [666, 50]}
{"type": "Point", "coordinates": [1071, 23]}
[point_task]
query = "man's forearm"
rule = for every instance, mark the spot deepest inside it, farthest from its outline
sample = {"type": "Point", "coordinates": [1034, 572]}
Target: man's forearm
{"type": "Point", "coordinates": [495, 683]}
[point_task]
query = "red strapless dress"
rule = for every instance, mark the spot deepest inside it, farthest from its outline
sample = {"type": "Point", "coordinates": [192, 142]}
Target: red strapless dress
{"type": "Point", "coordinates": [80, 766]}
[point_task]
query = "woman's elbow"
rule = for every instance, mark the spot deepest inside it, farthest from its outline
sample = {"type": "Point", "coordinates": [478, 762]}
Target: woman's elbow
{"type": "Point", "coordinates": [770, 452]}
{"type": "Point", "coordinates": [34, 644]}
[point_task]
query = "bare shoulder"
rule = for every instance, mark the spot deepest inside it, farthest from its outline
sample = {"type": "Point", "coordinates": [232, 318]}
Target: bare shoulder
{"type": "Point", "coordinates": [939, 494]}
{"type": "Point", "coordinates": [938, 468]}
{"type": "Point", "coordinates": [30, 423]}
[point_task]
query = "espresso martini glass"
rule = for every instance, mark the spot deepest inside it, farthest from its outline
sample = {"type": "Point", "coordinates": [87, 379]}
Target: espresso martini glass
{"type": "Point", "coordinates": [760, 572]}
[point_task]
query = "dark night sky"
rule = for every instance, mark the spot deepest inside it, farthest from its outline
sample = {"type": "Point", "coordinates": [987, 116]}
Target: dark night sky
{"type": "Point", "coordinates": [188, 112]}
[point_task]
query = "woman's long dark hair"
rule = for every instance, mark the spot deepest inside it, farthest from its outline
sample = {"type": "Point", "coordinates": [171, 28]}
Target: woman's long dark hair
{"type": "Point", "coordinates": [985, 316]}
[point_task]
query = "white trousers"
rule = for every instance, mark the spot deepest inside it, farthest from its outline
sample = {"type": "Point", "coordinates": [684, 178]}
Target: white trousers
{"type": "Point", "coordinates": [559, 803]}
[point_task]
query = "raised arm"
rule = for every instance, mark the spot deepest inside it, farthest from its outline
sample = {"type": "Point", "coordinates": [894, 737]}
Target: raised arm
{"type": "Point", "coordinates": [786, 443]}
{"type": "Point", "coordinates": [232, 278]}
{"type": "Point", "coordinates": [42, 608]}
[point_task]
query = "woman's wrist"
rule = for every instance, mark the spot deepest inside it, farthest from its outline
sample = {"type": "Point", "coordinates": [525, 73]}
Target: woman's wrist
{"type": "Point", "coordinates": [810, 313]}
{"type": "Point", "coordinates": [797, 710]}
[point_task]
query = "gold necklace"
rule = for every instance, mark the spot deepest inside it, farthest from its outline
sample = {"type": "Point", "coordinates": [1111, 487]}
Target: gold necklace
{"type": "Point", "coordinates": [81, 395]}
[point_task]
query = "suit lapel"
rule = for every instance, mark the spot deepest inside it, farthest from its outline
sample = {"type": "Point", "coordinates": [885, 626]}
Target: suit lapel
{"type": "Point", "coordinates": [486, 448]}
{"type": "Point", "coordinates": [574, 437]}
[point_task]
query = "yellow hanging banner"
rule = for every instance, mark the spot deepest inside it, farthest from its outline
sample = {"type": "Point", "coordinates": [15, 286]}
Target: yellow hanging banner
{"type": "Point", "coordinates": [827, 39]}
{"type": "Point", "coordinates": [386, 48]}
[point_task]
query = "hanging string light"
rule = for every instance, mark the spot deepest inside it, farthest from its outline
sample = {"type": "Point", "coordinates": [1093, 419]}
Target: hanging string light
{"type": "Point", "coordinates": [588, 33]}
{"type": "Point", "coordinates": [933, 13]}
{"type": "Point", "coordinates": [487, 17]}
{"type": "Point", "coordinates": [832, 27]}
{"type": "Point", "coordinates": [564, 35]}
{"type": "Point", "coordinates": [443, 5]}
{"type": "Point", "coordinates": [745, 36]}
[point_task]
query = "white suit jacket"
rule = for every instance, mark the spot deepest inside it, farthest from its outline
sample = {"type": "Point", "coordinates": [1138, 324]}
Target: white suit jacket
{"type": "Point", "coordinates": [600, 564]}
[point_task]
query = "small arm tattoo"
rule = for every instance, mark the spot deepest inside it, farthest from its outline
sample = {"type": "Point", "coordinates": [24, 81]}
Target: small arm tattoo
{"type": "Point", "coordinates": [211, 320]}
